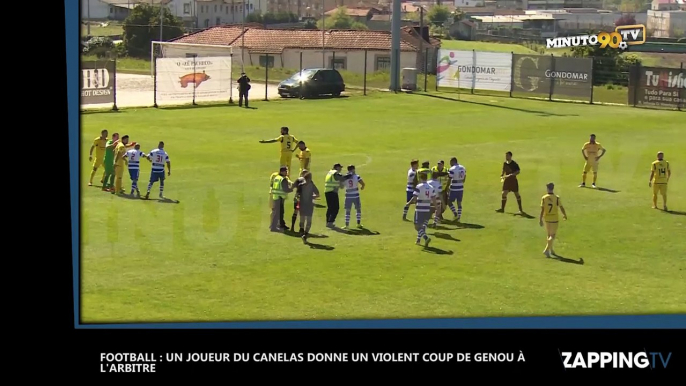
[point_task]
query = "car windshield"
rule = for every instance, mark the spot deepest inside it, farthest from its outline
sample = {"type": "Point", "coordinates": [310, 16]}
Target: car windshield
{"type": "Point", "coordinates": [302, 75]}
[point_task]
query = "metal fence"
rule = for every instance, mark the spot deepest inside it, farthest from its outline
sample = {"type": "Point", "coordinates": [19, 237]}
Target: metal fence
{"type": "Point", "coordinates": [558, 78]}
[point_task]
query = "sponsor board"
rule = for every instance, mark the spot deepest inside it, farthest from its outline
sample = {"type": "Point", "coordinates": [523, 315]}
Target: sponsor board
{"type": "Point", "coordinates": [554, 76]}
{"type": "Point", "coordinates": [200, 77]}
{"type": "Point", "coordinates": [657, 87]}
{"type": "Point", "coordinates": [474, 70]}
{"type": "Point", "coordinates": [97, 82]}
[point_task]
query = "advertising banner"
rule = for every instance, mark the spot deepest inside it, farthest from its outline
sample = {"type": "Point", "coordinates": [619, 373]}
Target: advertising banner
{"type": "Point", "coordinates": [474, 70]}
{"type": "Point", "coordinates": [202, 78]}
{"type": "Point", "coordinates": [557, 76]}
{"type": "Point", "coordinates": [97, 82]}
{"type": "Point", "coordinates": [657, 87]}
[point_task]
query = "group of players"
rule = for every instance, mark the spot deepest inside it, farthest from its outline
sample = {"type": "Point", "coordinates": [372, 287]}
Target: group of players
{"type": "Point", "coordinates": [306, 191]}
{"type": "Point", "coordinates": [113, 155]}
{"type": "Point", "coordinates": [431, 189]}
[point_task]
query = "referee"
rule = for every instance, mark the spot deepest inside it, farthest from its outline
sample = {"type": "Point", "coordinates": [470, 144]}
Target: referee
{"type": "Point", "coordinates": [332, 183]}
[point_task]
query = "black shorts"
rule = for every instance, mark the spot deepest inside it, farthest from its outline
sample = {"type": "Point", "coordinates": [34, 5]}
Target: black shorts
{"type": "Point", "coordinates": [511, 185]}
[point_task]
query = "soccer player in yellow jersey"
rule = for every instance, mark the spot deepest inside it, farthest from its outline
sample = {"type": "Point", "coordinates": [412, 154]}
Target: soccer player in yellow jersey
{"type": "Point", "coordinates": [119, 163]}
{"type": "Point", "coordinates": [550, 205]}
{"type": "Point", "coordinates": [659, 176]}
{"type": "Point", "coordinates": [305, 157]}
{"type": "Point", "coordinates": [590, 152]}
{"type": "Point", "coordinates": [288, 145]}
{"type": "Point", "coordinates": [98, 145]}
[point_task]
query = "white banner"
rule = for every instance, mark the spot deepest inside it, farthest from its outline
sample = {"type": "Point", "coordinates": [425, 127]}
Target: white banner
{"type": "Point", "coordinates": [209, 77]}
{"type": "Point", "coordinates": [474, 70]}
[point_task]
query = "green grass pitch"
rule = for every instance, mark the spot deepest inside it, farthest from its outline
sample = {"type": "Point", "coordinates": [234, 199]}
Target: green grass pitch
{"type": "Point", "coordinates": [212, 258]}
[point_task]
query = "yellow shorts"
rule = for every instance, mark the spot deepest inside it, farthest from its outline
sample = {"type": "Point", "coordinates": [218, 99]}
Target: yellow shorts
{"type": "Point", "coordinates": [286, 159]}
{"type": "Point", "coordinates": [591, 165]}
{"type": "Point", "coordinates": [659, 188]}
{"type": "Point", "coordinates": [97, 162]}
{"type": "Point", "coordinates": [118, 171]}
{"type": "Point", "coordinates": [551, 227]}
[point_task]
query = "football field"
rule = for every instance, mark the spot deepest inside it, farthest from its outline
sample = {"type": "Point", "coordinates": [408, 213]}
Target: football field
{"type": "Point", "coordinates": [211, 257]}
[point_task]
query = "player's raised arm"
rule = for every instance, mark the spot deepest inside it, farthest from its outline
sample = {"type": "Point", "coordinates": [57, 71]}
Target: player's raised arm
{"type": "Point", "coordinates": [271, 140]}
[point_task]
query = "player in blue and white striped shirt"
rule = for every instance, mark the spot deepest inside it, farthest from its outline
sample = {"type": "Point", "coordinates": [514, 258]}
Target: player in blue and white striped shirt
{"type": "Point", "coordinates": [133, 159]}
{"type": "Point", "coordinates": [159, 158]}
{"type": "Point", "coordinates": [424, 196]}
{"type": "Point", "coordinates": [353, 185]}
{"type": "Point", "coordinates": [411, 183]}
{"type": "Point", "coordinates": [458, 175]}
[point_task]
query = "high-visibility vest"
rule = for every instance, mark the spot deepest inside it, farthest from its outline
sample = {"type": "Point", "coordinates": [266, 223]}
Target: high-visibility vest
{"type": "Point", "coordinates": [277, 190]}
{"type": "Point", "coordinates": [271, 181]}
{"type": "Point", "coordinates": [424, 170]}
{"type": "Point", "coordinates": [444, 180]}
{"type": "Point", "coordinates": [330, 183]}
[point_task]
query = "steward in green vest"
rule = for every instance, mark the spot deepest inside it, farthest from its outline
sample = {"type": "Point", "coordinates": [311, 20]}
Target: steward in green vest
{"type": "Point", "coordinates": [332, 183]}
{"type": "Point", "coordinates": [425, 169]}
{"type": "Point", "coordinates": [281, 186]}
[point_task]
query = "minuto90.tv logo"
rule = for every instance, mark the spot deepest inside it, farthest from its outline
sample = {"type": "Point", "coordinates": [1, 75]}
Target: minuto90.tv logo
{"type": "Point", "coordinates": [623, 37]}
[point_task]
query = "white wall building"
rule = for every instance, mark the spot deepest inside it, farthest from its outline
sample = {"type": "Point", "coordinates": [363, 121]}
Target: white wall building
{"type": "Point", "coordinates": [468, 3]}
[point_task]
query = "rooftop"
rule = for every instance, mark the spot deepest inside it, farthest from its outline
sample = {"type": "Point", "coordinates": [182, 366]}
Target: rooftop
{"type": "Point", "coordinates": [274, 41]}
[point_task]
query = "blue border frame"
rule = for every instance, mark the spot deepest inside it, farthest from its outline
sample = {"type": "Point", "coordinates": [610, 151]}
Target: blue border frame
{"type": "Point", "coordinates": [72, 29]}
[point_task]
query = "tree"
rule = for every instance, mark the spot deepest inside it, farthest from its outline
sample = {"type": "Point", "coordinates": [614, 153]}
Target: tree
{"type": "Point", "coordinates": [438, 14]}
{"type": "Point", "coordinates": [142, 26]}
{"type": "Point", "coordinates": [626, 19]}
{"type": "Point", "coordinates": [341, 20]}
{"type": "Point", "coordinates": [609, 65]}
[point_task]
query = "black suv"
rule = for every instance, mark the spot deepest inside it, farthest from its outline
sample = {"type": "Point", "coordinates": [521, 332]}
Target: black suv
{"type": "Point", "coordinates": [312, 82]}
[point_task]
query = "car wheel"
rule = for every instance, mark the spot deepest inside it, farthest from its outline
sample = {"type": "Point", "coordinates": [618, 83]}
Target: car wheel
{"type": "Point", "coordinates": [282, 95]}
{"type": "Point", "coordinates": [337, 94]}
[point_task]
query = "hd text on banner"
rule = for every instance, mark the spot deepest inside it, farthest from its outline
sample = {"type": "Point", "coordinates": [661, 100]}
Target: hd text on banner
{"type": "Point", "coordinates": [474, 70]}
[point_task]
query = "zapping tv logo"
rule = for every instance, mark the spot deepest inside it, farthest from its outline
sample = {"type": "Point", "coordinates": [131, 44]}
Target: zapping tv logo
{"type": "Point", "coordinates": [623, 37]}
{"type": "Point", "coordinates": [615, 360]}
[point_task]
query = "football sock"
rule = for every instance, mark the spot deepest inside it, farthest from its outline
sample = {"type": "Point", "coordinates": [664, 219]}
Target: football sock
{"type": "Point", "coordinates": [149, 187]}
{"type": "Point", "coordinates": [655, 200]}
{"type": "Point", "coordinates": [117, 185]}
{"type": "Point", "coordinates": [104, 175]}
{"type": "Point", "coordinates": [405, 209]}
{"type": "Point", "coordinates": [347, 217]}
{"type": "Point", "coordinates": [583, 178]}
{"type": "Point", "coordinates": [359, 216]}
{"type": "Point", "coordinates": [664, 200]}
{"type": "Point", "coordinates": [459, 209]}
{"type": "Point", "coordinates": [161, 188]}
{"type": "Point", "coordinates": [519, 202]}
{"type": "Point", "coordinates": [502, 203]}
{"type": "Point", "coordinates": [452, 208]}
{"type": "Point", "coordinates": [595, 178]}
{"type": "Point", "coordinates": [92, 175]}
{"type": "Point", "coordinates": [294, 218]}
{"type": "Point", "coordinates": [308, 225]}
{"type": "Point", "coordinates": [110, 183]}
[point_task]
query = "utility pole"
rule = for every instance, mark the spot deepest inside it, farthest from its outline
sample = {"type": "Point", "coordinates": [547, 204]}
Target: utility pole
{"type": "Point", "coordinates": [395, 46]}
{"type": "Point", "coordinates": [161, 20]}
{"type": "Point", "coordinates": [324, 37]}
{"type": "Point", "coordinates": [243, 39]}
{"type": "Point", "coordinates": [88, 18]}
{"type": "Point", "coordinates": [421, 36]}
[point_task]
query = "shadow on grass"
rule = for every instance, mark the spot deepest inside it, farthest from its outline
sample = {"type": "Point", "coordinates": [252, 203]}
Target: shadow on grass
{"type": "Point", "coordinates": [197, 106]}
{"type": "Point", "coordinates": [356, 232]}
{"type": "Point", "coordinates": [607, 190]}
{"type": "Point", "coordinates": [319, 206]}
{"type": "Point", "coordinates": [293, 233]}
{"type": "Point", "coordinates": [524, 214]}
{"type": "Point", "coordinates": [445, 236]}
{"type": "Point", "coordinates": [567, 260]}
{"type": "Point", "coordinates": [321, 247]}
{"type": "Point", "coordinates": [436, 251]}
{"type": "Point", "coordinates": [328, 97]}
{"type": "Point", "coordinates": [676, 212]}
{"type": "Point", "coordinates": [464, 225]}
{"type": "Point", "coordinates": [542, 113]}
